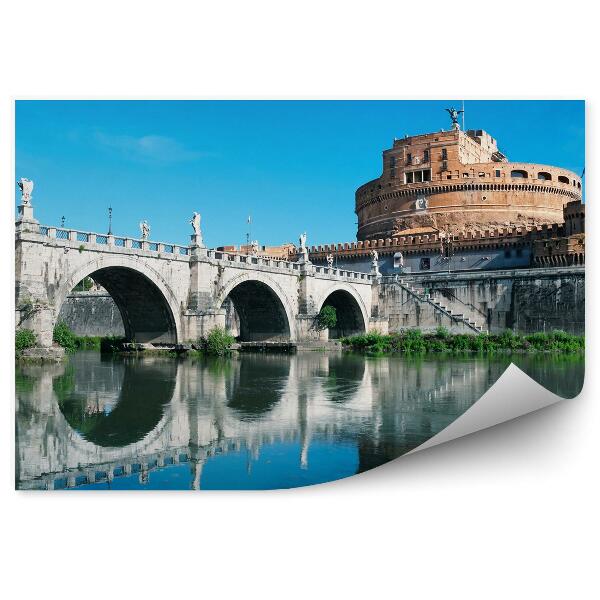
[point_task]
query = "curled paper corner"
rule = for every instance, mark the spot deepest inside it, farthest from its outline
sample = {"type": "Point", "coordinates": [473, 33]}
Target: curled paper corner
{"type": "Point", "coordinates": [514, 394]}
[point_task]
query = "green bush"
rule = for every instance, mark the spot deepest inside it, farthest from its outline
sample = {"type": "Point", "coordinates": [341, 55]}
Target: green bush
{"type": "Point", "coordinates": [24, 338]}
{"type": "Point", "coordinates": [88, 342]}
{"type": "Point", "coordinates": [218, 342]}
{"type": "Point", "coordinates": [64, 337]}
{"type": "Point", "coordinates": [327, 318]}
{"type": "Point", "coordinates": [413, 341]}
{"type": "Point", "coordinates": [441, 332]}
{"type": "Point", "coordinates": [372, 343]}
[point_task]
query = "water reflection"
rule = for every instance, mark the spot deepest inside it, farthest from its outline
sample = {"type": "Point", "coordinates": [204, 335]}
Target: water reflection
{"type": "Point", "coordinates": [254, 422]}
{"type": "Point", "coordinates": [113, 403]}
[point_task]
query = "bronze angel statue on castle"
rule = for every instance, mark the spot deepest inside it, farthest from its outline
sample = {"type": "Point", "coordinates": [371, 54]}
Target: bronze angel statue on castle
{"type": "Point", "coordinates": [454, 116]}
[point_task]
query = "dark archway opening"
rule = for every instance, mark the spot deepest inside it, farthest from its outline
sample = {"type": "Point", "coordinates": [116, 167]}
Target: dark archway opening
{"type": "Point", "coordinates": [145, 313]}
{"type": "Point", "coordinates": [350, 320]}
{"type": "Point", "coordinates": [519, 174]}
{"type": "Point", "coordinates": [254, 313]}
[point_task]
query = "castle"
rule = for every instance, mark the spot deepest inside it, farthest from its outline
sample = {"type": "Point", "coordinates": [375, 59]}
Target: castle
{"type": "Point", "coordinates": [451, 200]}
{"type": "Point", "coordinates": [455, 181]}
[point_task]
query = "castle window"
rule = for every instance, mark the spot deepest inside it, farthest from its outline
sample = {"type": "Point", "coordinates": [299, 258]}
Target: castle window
{"type": "Point", "coordinates": [465, 175]}
{"type": "Point", "coordinates": [418, 176]}
{"type": "Point", "coordinates": [497, 173]}
{"type": "Point", "coordinates": [481, 174]}
{"type": "Point", "coordinates": [408, 158]}
{"type": "Point", "coordinates": [427, 175]}
{"type": "Point", "coordinates": [563, 179]}
{"type": "Point", "coordinates": [518, 173]}
{"type": "Point", "coordinates": [444, 154]}
{"type": "Point", "coordinates": [544, 176]}
{"type": "Point", "coordinates": [408, 178]}
{"type": "Point", "coordinates": [426, 156]}
{"type": "Point", "coordinates": [425, 264]}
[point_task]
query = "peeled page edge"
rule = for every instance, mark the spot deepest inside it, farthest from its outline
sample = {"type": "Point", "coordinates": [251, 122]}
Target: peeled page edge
{"type": "Point", "coordinates": [514, 394]}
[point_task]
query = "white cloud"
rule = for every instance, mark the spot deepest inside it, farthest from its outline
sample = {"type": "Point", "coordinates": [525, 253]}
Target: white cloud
{"type": "Point", "coordinates": [148, 148]}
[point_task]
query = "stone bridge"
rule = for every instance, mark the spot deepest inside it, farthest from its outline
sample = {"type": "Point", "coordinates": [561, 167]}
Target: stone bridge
{"type": "Point", "coordinates": [169, 294]}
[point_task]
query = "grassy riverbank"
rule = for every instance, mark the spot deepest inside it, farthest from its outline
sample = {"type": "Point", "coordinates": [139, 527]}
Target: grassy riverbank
{"type": "Point", "coordinates": [414, 341]}
{"type": "Point", "coordinates": [218, 342]}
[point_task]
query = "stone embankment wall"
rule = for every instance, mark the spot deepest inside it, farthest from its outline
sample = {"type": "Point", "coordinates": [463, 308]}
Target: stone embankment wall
{"type": "Point", "coordinates": [525, 300]}
{"type": "Point", "coordinates": [91, 314]}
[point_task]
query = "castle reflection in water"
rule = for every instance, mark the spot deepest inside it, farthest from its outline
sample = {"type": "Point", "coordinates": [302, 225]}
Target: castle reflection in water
{"type": "Point", "coordinates": [255, 421]}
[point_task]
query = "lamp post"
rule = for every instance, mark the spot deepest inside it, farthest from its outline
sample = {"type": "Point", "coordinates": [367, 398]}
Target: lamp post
{"type": "Point", "coordinates": [62, 221]}
{"type": "Point", "coordinates": [110, 220]}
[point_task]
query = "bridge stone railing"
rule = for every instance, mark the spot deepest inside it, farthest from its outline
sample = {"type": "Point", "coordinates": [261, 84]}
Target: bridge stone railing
{"type": "Point", "coordinates": [104, 239]}
{"type": "Point", "coordinates": [344, 273]}
{"type": "Point", "coordinates": [233, 258]}
{"type": "Point", "coordinates": [263, 261]}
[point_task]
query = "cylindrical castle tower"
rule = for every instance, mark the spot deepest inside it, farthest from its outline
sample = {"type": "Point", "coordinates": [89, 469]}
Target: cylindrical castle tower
{"type": "Point", "coordinates": [454, 181]}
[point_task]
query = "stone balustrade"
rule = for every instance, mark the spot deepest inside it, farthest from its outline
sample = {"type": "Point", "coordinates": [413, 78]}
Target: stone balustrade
{"type": "Point", "coordinates": [262, 261]}
{"type": "Point", "coordinates": [232, 258]}
{"type": "Point", "coordinates": [102, 239]}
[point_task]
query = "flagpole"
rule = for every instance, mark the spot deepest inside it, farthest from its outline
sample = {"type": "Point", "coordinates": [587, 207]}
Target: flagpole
{"type": "Point", "coordinates": [463, 114]}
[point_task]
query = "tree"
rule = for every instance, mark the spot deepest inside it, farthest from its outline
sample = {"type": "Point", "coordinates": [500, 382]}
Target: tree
{"type": "Point", "coordinates": [327, 318]}
{"type": "Point", "coordinates": [84, 285]}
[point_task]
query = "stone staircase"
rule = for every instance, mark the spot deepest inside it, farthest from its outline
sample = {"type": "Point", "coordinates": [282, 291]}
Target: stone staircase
{"type": "Point", "coordinates": [459, 318]}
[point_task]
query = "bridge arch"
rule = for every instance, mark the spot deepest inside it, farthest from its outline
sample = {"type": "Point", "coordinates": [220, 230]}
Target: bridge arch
{"type": "Point", "coordinates": [148, 306]}
{"type": "Point", "coordinates": [263, 308]}
{"type": "Point", "coordinates": [352, 315]}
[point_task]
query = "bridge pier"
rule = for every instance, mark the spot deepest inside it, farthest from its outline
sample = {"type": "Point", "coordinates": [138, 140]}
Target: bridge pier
{"type": "Point", "coordinates": [39, 318]}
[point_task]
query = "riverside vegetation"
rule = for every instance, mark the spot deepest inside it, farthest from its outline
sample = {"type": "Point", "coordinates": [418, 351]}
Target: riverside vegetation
{"type": "Point", "coordinates": [217, 343]}
{"type": "Point", "coordinates": [414, 341]}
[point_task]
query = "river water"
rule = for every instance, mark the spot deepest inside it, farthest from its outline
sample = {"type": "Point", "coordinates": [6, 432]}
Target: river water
{"type": "Point", "coordinates": [253, 421]}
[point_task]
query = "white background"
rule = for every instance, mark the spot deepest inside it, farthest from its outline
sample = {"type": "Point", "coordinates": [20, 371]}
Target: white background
{"type": "Point", "coordinates": [507, 513]}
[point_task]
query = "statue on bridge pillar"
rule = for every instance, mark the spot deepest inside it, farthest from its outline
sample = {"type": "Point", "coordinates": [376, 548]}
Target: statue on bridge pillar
{"type": "Point", "coordinates": [303, 248]}
{"type": "Point", "coordinates": [197, 235]}
{"type": "Point", "coordinates": [375, 263]}
{"type": "Point", "coordinates": [145, 229]}
{"type": "Point", "coordinates": [330, 261]}
{"type": "Point", "coordinates": [25, 210]}
{"type": "Point", "coordinates": [26, 186]}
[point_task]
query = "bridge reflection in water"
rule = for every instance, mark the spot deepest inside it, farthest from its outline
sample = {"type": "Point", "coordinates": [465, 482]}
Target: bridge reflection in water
{"type": "Point", "coordinates": [255, 421]}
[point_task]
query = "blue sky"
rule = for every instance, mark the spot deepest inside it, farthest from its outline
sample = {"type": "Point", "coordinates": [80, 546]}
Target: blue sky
{"type": "Point", "coordinates": [292, 165]}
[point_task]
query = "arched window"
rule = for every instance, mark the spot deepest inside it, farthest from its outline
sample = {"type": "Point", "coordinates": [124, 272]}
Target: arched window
{"type": "Point", "coordinates": [544, 176]}
{"type": "Point", "coordinates": [563, 179]}
{"type": "Point", "coordinates": [519, 173]}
